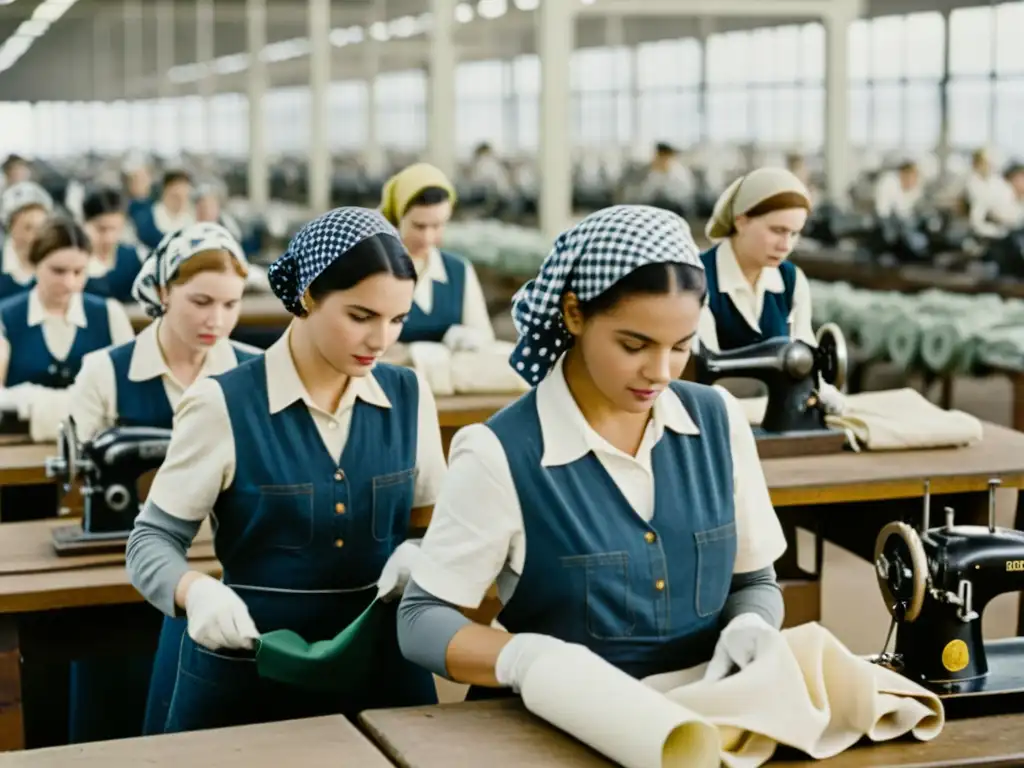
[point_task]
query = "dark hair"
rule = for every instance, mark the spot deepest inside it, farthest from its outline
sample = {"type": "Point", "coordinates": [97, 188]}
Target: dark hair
{"type": "Point", "coordinates": [907, 165]}
{"type": "Point", "coordinates": [653, 279]}
{"type": "Point", "coordinates": [428, 196]}
{"type": "Point", "coordinates": [13, 160]}
{"type": "Point", "coordinates": [102, 201]}
{"type": "Point", "coordinates": [664, 148]}
{"type": "Point", "coordinates": [481, 148]}
{"type": "Point", "coordinates": [375, 255]}
{"type": "Point", "coordinates": [780, 202]}
{"type": "Point", "coordinates": [57, 233]}
{"type": "Point", "coordinates": [1013, 169]}
{"type": "Point", "coordinates": [170, 177]}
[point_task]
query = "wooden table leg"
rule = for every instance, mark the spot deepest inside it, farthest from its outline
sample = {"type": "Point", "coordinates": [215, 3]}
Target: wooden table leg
{"type": "Point", "coordinates": [12, 721]}
{"type": "Point", "coordinates": [1017, 381]}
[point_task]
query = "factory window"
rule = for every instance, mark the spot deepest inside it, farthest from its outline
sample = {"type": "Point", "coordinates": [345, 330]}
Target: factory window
{"type": "Point", "coordinates": [229, 113]}
{"type": "Point", "coordinates": [165, 131]}
{"type": "Point", "coordinates": [668, 84]}
{"type": "Point", "coordinates": [347, 115]}
{"type": "Point", "coordinates": [526, 90]}
{"type": "Point", "coordinates": [17, 132]}
{"type": "Point", "coordinates": [401, 102]}
{"type": "Point", "coordinates": [971, 41]}
{"type": "Point", "coordinates": [601, 108]}
{"type": "Point", "coordinates": [191, 119]}
{"type": "Point", "coordinates": [480, 105]}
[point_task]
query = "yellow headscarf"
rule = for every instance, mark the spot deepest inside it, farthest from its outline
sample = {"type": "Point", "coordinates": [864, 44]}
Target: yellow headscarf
{"type": "Point", "coordinates": [746, 193]}
{"type": "Point", "coordinates": [401, 188]}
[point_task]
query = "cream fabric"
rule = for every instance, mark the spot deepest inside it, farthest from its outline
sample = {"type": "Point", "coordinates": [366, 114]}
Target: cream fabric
{"type": "Point", "coordinates": [902, 419]}
{"type": "Point", "coordinates": [479, 372]}
{"type": "Point", "coordinates": [433, 362]}
{"type": "Point", "coordinates": [808, 692]}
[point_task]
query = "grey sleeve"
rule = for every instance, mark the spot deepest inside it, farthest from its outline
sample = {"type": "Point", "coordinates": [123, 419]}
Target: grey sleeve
{"type": "Point", "coordinates": [426, 625]}
{"type": "Point", "coordinates": [157, 555]}
{"type": "Point", "coordinates": [755, 592]}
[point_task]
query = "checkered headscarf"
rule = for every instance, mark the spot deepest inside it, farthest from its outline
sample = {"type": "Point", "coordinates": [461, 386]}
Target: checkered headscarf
{"type": "Point", "coordinates": [162, 264]}
{"type": "Point", "coordinates": [318, 245]}
{"type": "Point", "coordinates": [588, 259]}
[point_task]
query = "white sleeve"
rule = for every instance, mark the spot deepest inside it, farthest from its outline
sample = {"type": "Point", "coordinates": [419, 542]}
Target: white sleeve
{"type": "Point", "coordinates": [477, 526]}
{"type": "Point", "coordinates": [707, 330]}
{"type": "Point", "coordinates": [121, 329]}
{"type": "Point", "coordinates": [760, 540]}
{"type": "Point", "coordinates": [430, 463]}
{"type": "Point", "coordinates": [800, 314]}
{"type": "Point", "coordinates": [200, 461]}
{"type": "Point", "coordinates": [474, 305]}
{"type": "Point", "coordinates": [94, 396]}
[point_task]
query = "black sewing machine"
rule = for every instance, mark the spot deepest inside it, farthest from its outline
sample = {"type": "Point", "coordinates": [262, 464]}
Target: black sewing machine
{"type": "Point", "coordinates": [936, 584]}
{"type": "Point", "coordinates": [794, 419]}
{"type": "Point", "coordinates": [110, 465]}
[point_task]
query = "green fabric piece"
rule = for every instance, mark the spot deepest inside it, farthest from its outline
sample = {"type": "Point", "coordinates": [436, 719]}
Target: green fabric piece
{"type": "Point", "coordinates": [337, 664]}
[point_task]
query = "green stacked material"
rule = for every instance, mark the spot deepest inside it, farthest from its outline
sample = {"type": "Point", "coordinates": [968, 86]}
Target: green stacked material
{"type": "Point", "coordinates": [934, 331]}
{"type": "Point", "coordinates": [505, 248]}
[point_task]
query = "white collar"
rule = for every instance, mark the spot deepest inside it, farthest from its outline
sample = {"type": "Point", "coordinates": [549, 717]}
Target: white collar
{"type": "Point", "coordinates": [11, 264]}
{"type": "Point", "coordinates": [148, 360]}
{"type": "Point", "coordinates": [284, 386]}
{"type": "Point", "coordinates": [73, 315]}
{"type": "Point", "coordinates": [434, 271]}
{"type": "Point", "coordinates": [166, 222]}
{"type": "Point", "coordinates": [731, 279]}
{"type": "Point", "coordinates": [567, 436]}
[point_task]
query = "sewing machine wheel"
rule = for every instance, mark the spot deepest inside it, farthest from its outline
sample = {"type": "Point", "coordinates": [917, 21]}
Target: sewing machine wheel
{"type": "Point", "coordinates": [64, 466]}
{"type": "Point", "coordinates": [902, 570]}
{"type": "Point", "coordinates": [832, 356]}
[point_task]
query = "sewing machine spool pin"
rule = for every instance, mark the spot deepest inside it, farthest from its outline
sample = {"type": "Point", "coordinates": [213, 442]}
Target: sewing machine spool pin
{"type": "Point", "coordinates": [993, 484]}
{"type": "Point", "coordinates": [926, 512]}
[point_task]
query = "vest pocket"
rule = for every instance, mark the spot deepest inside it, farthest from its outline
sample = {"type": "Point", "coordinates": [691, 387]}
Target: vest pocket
{"type": "Point", "coordinates": [392, 502]}
{"type": "Point", "coordinates": [716, 553]}
{"type": "Point", "coordinates": [285, 515]}
{"type": "Point", "coordinates": [603, 582]}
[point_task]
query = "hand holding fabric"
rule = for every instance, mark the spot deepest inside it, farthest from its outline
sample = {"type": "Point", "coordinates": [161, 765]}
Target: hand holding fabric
{"type": "Point", "coordinates": [218, 617]}
{"type": "Point", "coordinates": [744, 639]}
{"type": "Point", "coordinates": [397, 571]}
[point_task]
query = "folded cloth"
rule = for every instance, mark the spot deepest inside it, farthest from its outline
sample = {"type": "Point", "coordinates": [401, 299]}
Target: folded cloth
{"type": "Point", "coordinates": [486, 371]}
{"type": "Point", "coordinates": [902, 419]}
{"type": "Point", "coordinates": [433, 361]}
{"type": "Point", "coordinates": [43, 408]}
{"type": "Point", "coordinates": [806, 691]}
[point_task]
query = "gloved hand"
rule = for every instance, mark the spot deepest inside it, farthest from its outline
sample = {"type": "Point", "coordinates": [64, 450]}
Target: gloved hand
{"type": "Point", "coordinates": [518, 655]}
{"type": "Point", "coordinates": [741, 642]}
{"type": "Point", "coordinates": [461, 338]}
{"type": "Point", "coordinates": [397, 570]}
{"type": "Point", "coordinates": [831, 398]}
{"type": "Point", "coordinates": [19, 399]}
{"type": "Point", "coordinates": [217, 616]}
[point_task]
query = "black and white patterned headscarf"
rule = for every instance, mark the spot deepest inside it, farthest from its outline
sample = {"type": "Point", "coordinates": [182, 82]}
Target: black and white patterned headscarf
{"type": "Point", "coordinates": [589, 258]}
{"type": "Point", "coordinates": [162, 264]}
{"type": "Point", "coordinates": [318, 245]}
{"type": "Point", "coordinates": [21, 195]}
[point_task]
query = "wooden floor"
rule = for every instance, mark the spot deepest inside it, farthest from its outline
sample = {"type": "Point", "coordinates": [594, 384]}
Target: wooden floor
{"type": "Point", "coordinates": [855, 614]}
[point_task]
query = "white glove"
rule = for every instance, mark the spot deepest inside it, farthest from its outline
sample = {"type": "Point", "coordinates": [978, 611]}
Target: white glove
{"type": "Point", "coordinates": [19, 399]}
{"type": "Point", "coordinates": [831, 398]}
{"type": "Point", "coordinates": [397, 570]}
{"type": "Point", "coordinates": [741, 642]}
{"type": "Point", "coordinates": [217, 616]}
{"type": "Point", "coordinates": [518, 655]}
{"type": "Point", "coordinates": [461, 338]}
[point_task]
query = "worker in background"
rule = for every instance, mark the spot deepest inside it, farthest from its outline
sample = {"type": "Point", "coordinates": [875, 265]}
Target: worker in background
{"type": "Point", "coordinates": [44, 334]}
{"type": "Point", "coordinates": [171, 212]}
{"type": "Point", "coordinates": [492, 181]}
{"type": "Point", "coordinates": [669, 184]}
{"type": "Point", "coordinates": [24, 207]}
{"type": "Point", "coordinates": [898, 193]}
{"type": "Point", "coordinates": [114, 264]}
{"type": "Point", "coordinates": [15, 169]}
{"type": "Point", "coordinates": [208, 201]}
{"type": "Point", "coordinates": [314, 459]}
{"type": "Point", "coordinates": [1000, 210]}
{"type": "Point", "coordinates": [615, 507]}
{"type": "Point", "coordinates": [448, 304]}
{"type": "Point", "coordinates": [191, 286]}
{"type": "Point", "coordinates": [796, 164]}
{"type": "Point", "coordinates": [983, 192]}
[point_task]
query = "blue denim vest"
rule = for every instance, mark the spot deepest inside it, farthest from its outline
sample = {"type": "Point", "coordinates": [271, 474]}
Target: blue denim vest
{"type": "Point", "coordinates": [117, 283]}
{"type": "Point", "coordinates": [32, 361]}
{"type": "Point", "coordinates": [732, 329]}
{"type": "Point", "coordinates": [646, 597]}
{"type": "Point", "coordinates": [447, 307]}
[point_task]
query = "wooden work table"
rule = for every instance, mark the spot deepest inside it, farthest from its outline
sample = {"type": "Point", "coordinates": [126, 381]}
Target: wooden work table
{"type": "Point", "coordinates": [503, 733]}
{"type": "Point", "coordinates": [321, 742]}
{"type": "Point", "coordinates": [57, 608]}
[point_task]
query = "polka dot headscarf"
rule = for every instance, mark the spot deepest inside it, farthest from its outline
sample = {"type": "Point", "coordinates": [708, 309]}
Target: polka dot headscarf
{"type": "Point", "coordinates": [589, 258]}
{"type": "Point", "coordinates": [162, 264]}
{"type": "Point", "coordinates": [318, 245]}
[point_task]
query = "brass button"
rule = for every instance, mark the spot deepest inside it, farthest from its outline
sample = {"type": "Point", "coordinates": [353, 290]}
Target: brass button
{"type": "Point", "coordinates": [339, 475]}
{"type": "Point", "coordinates": [339, 543]}
{"type": "Point", "coordinates": [659, 584]}
{"type": "Point", "coordinates": [649, 537]}
{"type": "Point", "coordinates": [339, 508]}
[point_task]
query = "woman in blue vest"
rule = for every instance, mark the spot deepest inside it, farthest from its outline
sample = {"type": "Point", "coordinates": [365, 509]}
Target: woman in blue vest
{"type": "Point", "coordinates": [153, 220]}
{"type": "Point", "coordinates": [626, 511]}
{"type": "Point", "coordinates": [114, 264]}
{"type": "Point", "coordinates": [313, 458]}
{"type": "Point", "coordinates": [754, 293]}
{"type": "Point", "coordinates": [44, 334]}
{"type": "Point", "coordinates": [24, 207]}
{"type": "Point", "coordinates": [192, 286]}
{"type": "Point", "coordinates": [448, 304]}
